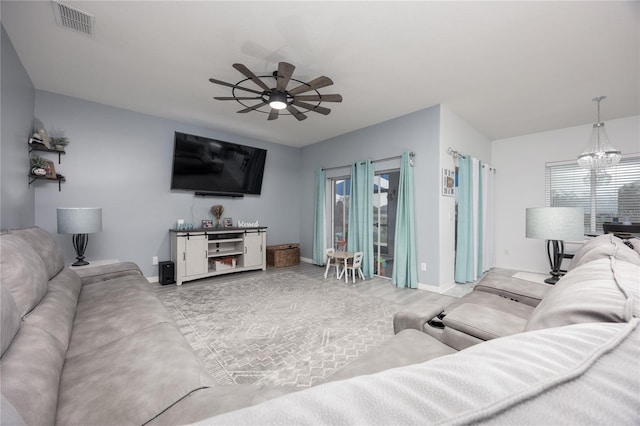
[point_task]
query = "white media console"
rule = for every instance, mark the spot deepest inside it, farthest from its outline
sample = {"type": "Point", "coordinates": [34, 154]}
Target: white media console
{"type": "Point", "coordinates": [201, 253]}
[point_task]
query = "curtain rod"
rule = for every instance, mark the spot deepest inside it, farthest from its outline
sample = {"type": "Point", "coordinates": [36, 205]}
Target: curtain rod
{"type": "Point", "coordinates": [411, 156]}
{"type": "Point", "coordinates": [454, 153]}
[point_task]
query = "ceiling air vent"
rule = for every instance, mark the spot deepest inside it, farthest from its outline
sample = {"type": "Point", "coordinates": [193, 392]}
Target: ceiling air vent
{"type": "Point", "coordinates": [73, 19]}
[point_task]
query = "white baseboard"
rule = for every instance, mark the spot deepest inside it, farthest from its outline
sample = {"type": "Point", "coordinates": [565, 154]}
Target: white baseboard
{"type": "Point", "coordinates": [155, 279]}
{"type": "Point", "coordinates": [306, 260]}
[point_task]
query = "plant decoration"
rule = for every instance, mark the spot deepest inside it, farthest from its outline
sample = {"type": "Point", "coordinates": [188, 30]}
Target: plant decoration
{"type": "Point", "coordinates": [217, 211]}
{"type": "Point", "coordinates": [39, 166]}
{"type": "Point", "coordinates": [39, 162]}
{"type": "Point", "coordinates": [60, 142]}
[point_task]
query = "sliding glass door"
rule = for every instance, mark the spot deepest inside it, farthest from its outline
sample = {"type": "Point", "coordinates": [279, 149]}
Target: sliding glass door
{"type": "Point", "coordinates": [385, 206]}
{"type": "Point", "coordinates": [340, 190]}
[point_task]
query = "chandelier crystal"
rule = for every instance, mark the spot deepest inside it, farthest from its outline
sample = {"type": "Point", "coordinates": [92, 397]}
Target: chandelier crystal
{"type": "Point", "coordinates": [599, 154]}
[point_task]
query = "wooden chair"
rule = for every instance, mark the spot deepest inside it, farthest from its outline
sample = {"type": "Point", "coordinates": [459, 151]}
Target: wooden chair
{"type": "Point", "coordinates": [356, 265]}
{"type": "Point", "coordinates": [331, 261]}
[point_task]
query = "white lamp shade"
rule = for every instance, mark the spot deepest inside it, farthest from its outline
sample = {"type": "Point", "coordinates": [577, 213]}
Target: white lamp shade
{"type": "Point", "coordinates": [79, 220]}
{"type": "Point", "coordinates": [556, 223]}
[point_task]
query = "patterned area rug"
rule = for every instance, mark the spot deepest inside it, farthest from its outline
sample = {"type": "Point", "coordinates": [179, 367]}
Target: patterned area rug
{"type": "Point", "coordinates": [281, 328]}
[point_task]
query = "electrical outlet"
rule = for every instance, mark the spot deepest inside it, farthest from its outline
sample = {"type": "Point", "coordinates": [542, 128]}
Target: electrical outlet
{"type": "Point", "coordinates": [423, 266]}
{"type": "Point", "coordinates": [154, 260]}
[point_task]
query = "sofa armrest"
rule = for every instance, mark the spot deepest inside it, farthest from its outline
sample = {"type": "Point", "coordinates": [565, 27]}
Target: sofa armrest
{"type": "Point", "coordinates": [483, 322]}
{"type": "Point", "coordinates": [416, 318]}
{"type": "Point", "coordinates": [527, 292]}
{"type": "Point", "coordinates": [101, 273]}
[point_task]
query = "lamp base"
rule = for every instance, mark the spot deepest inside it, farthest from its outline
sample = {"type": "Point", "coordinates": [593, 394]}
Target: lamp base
{"type": "Point", "coordinates": [80, 245]}
{"type": "Point", "coordinates": [552, 280]}
{"type": "Point", "coordinates": [555, 259]}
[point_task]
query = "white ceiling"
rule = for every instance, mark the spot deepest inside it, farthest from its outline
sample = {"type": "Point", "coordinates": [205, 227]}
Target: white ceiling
{"type": "Point", "coordinates": [508, 68]}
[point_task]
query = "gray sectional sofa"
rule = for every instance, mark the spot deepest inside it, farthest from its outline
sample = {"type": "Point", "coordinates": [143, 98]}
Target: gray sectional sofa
{"type": "Point", "coordinates": [96, 347]}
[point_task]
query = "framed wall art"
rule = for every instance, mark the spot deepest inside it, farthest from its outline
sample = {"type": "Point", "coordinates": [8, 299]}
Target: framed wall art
{"type": "Point", "coordinates": [448, 182]}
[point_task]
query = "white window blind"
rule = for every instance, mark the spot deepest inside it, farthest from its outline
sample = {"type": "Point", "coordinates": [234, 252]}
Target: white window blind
{"type": "Point", "coordinates": [604, 195]}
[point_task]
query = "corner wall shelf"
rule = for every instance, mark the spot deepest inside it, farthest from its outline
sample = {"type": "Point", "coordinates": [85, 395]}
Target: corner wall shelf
{"type": "Point", "coordinates": [59, 179]}
{"type": "Point", "coordinates": [42, 148]}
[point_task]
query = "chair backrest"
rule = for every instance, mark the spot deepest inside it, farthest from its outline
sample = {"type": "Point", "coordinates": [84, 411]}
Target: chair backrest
{"type": "Point", "coordinates": [357, 259]}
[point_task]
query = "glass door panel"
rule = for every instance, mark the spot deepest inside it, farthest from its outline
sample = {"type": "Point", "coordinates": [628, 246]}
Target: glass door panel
{"type": "Point", "coordinates": [385, 206]}
{"type": "Point", "coordinates": [341, 188]}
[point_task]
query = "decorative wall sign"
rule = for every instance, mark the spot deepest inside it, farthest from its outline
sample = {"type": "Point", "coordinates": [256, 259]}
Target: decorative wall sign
{"type": "Point", "coordinates": [448, 182]}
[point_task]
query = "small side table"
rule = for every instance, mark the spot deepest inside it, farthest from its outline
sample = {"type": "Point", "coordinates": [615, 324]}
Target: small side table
{"type": "Point", "coordinates": [94, 263]}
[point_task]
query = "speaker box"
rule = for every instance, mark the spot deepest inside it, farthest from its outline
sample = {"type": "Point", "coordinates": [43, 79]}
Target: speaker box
{"type": "Point", "coordinates": [167, 273]}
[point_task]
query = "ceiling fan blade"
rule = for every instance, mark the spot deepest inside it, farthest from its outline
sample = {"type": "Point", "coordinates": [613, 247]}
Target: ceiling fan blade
{"type": "Point", "coordinates": [285, 71]}
{"type": "Point", "coordinates": [316, 83]}
{"type": "Point", "coordinates": [252, 108]}
{"type": "Point", "coordinates": [316, 108]}
{"type": "Point", "coordinates": [248, 73]}
{"type": "Point", "coordinates": [323, 98]}
{"type": "Point", "coordinates": [296, 113]}
{"type": "Point", "coordinates": [234, 86]}
{"type": "Point", "coordinates": [232, 98]}
{"type": "Point", "coordinates": [273, 115]}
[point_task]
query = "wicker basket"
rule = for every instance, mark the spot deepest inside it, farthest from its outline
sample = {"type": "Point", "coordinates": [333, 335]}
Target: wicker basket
{"type": "Point", "coordinates": [283, 255]}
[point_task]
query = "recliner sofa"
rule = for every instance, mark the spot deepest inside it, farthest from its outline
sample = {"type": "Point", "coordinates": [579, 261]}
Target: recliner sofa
{"type": "Point", "coordinates": [97, 347]}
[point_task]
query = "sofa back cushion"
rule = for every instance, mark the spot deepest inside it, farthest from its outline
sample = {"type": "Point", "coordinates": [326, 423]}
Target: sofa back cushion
{"type": "Point", "coordinates": [47, 248]}
{"type": "Point", "coordinates": [31, 369]}
{"type": "Point", "coordinates": [23, 272]}
{"type": "Point", "coordinates": [604, 290]}
{"type": "Point", "coordinates": [10, 320]}
{"type": "Point", "coordinates": [601, 247]}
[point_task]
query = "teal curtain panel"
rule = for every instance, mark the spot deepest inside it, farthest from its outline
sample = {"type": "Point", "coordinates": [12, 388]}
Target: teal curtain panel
{"type": "Point", "coordinates": [405, 271]}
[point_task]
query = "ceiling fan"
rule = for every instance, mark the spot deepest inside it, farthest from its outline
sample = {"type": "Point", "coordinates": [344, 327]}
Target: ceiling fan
{"type": "Point", "coordinates": [278, 98]}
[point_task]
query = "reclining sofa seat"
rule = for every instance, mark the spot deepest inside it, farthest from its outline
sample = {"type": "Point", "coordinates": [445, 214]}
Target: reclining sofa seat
{"type": "Point", "coordinates": [505, 307]}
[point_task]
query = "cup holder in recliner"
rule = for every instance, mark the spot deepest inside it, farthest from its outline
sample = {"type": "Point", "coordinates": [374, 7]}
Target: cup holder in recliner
{"type": "Point", "coordinates": [437, 321]}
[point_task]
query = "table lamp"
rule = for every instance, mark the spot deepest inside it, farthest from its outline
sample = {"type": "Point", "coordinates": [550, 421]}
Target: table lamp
{"type": "Point", "coordinates": [556, 225]}
{"type": "Point", "coordinates": [79, 221]}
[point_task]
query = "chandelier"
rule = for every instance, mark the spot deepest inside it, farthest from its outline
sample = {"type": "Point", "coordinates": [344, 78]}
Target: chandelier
{"type": "Point", "coordinates": [599, 154]}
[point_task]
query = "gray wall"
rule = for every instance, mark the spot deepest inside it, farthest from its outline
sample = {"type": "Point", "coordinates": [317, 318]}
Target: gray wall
{"type": "Point", "coordinates": [120, 160]}
{"type": "Point", "coordinates": [17, 200]}
{"type": "Point", "coordinates": [418, 132]}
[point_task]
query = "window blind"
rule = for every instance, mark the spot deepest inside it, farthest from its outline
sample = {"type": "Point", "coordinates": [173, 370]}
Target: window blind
{"type": "Point", "coordinates": [604, 195]}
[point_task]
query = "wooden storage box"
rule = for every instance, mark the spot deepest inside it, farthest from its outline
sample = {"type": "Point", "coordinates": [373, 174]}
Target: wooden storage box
{"type": "Point", "coordinates": [283, 255]}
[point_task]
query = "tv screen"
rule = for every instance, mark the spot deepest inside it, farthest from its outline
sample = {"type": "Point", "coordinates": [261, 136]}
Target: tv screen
{"type": "Point", "coordinates": [214, 166]}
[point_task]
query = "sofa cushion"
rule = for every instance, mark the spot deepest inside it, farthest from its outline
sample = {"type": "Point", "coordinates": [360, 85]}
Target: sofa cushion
{"type": "Point", "coordinates": [23, 272]}
{"type": "Point", "coordinates": [409, 346]}
{"type": "Point", "coordinates": [599, 291]}
{"type": "Point", "coordinates": [483, 322]}
{"type": "Point", "coordinates": [492, 301]}
{"type": "Point", "coordinates": [8, 414]}
{"type": "Point", "coordinates": [97, 274]}
{"type": "Point", "coordinates": [9, 319]}
{"type": "Point", "coordinates": [56, 310]}
{"type": "Point", "coordinates": [30, 372]}
{"type": "Point", "coordinates": [47, 248]}
{"type": "Point", "coordinates": [602, 247]}
{"type": "Point", "coordinates": [523, 291]}
{"type": "Point", "coordinates": [564, 375]}
{"type": "Point", "coordinates": [110, 310]}
{"type": "Point", "coordinates": [131, 380]}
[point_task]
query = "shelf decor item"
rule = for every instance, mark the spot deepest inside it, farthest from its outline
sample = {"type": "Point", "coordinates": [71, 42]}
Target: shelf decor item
{"type": "Point", "coordinates": [39, 166]}
{"type": "Point", "coordinates": [60, 142]}
{"type": "Point", "coordinates": [228, 222]}
{"type": "Point", "coordinates": [79, 221]}
{"type": "Point", "coordinates": [207, 223]}
{"type": "Point", "coordinates": [217, 211]}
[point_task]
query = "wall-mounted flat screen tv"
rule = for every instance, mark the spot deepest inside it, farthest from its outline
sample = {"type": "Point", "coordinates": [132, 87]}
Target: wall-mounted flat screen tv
{"type": "Point", "coordinates": [212, 166]}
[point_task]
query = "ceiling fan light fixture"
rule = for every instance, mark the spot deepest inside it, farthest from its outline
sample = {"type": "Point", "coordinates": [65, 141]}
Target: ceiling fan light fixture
{"type": "Point", "coordinates": [278, 100]}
